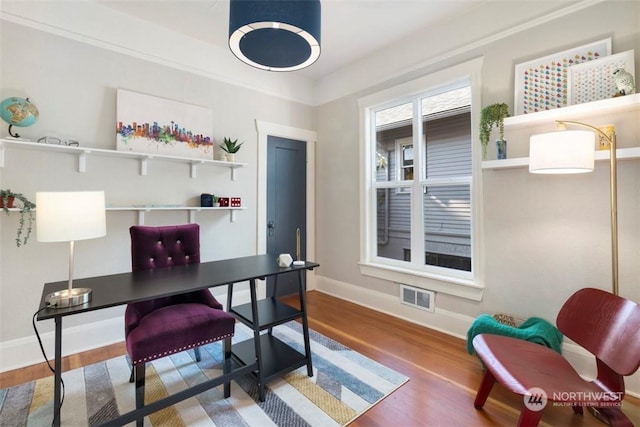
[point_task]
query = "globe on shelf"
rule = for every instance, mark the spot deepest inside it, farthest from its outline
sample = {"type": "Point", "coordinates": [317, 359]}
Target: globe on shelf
{"type": "Point", "coordinates": [18, 112]}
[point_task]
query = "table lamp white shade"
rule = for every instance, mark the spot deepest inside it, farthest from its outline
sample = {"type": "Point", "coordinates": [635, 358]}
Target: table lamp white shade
{"type": "Point", "coordinates": [69, 216]}
{"type": "Point", "coordinates": [562, 152]}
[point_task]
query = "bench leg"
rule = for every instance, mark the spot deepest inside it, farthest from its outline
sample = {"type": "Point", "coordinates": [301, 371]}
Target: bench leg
{"type": "Point", "coordinates": [488, 380]}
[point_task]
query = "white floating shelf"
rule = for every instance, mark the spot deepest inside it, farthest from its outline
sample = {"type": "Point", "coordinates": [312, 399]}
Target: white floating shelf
{"type": "Point", "coordinates": [522, 162]}
{"type": "Point", "coordinates": [575, 112]}
{"type": "Point", "coordinates": [142, 209]}
{"type": "Point", "coordinates": [572, 112]}
{"type": "Point", "coordinates": [84, 152]}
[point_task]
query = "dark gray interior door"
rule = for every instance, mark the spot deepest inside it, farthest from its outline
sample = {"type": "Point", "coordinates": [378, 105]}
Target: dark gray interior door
{"type": "Point", "coordinates": [286, 204]}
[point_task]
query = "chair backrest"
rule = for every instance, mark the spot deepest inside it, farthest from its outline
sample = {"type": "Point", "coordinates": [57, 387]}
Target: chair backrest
{"type": "Point", "coordinates": [164, 246]}
{"type": "Point", "coordinates": [606, 325]}
{"type": "Point", "coordinates": [159, 247]}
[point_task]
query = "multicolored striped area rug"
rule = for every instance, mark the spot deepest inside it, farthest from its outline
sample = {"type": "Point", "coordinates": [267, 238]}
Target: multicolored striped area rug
{"type": "Point", "coordinates": [345, 384]}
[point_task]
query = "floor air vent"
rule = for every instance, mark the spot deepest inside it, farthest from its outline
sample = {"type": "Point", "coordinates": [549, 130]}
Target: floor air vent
{"type": "Point", "coordinates": [418, 298]}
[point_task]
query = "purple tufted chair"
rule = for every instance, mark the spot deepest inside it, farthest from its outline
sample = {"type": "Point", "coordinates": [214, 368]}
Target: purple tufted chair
{"type": "Point", "coordinates": [163, 326]}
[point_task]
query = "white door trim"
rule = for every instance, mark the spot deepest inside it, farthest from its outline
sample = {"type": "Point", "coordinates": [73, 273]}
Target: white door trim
{"type": "Point", "coordinates": [264, 130]}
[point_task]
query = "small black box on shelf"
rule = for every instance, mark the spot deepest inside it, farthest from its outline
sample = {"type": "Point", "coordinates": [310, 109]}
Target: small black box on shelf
{"type": "Point", "coordinates": [206, 200]}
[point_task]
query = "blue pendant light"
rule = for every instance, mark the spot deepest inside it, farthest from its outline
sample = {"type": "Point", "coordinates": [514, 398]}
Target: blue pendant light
{"type": "Point", "coordinates": [275, 35]}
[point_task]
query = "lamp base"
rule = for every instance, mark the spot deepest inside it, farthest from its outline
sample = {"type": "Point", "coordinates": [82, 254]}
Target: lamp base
{"type": "Point", "coordinates": [62, 299]}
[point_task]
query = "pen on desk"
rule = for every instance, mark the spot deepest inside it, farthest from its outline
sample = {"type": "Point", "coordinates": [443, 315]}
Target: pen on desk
{"type": "Point", "coordinates": [297, 261]}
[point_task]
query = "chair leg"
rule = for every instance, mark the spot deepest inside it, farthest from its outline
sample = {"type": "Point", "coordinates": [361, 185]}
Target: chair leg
{"type": "Point", "coordinates": [140, 374]}
{"type": "Point", "coordinates": [529, 418]}
{"type": "Point", "coordinates": [196, 350]}
{"type": "Point", "coordinates": [226, 365]}
{"type": "Point", "coordinates": [488, 380]}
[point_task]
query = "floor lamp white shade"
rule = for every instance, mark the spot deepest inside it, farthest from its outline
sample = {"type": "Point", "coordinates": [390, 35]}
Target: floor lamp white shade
{"type": "Point", "coordinates": [67, 217]}
{"type": "Point", "coordinates": [562, 152]}
{"type": "Point", "coordinates": [573, 151]}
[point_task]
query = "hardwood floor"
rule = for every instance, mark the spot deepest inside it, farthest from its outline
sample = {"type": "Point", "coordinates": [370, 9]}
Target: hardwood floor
{"type": "Point", "coordinates": [443, 377]}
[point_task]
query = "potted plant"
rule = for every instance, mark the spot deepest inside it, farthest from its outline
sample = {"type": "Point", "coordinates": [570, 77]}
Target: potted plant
{"type": "Point", "coordinates": [231, 148]}
{"type": "Point", "coordinates": [216, 201]}
{"type": "Point", "coordinates": [490, 116]}
{"type": "Point", "coordinates": [7, 200]}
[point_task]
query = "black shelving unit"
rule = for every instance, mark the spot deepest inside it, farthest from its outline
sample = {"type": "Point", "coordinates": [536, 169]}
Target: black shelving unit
{"type": "Point", "coordinates": [273, 357]}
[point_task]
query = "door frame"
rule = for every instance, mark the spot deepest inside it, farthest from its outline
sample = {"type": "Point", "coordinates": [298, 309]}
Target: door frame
{"type": "Point", "coordinates": [264, 130]}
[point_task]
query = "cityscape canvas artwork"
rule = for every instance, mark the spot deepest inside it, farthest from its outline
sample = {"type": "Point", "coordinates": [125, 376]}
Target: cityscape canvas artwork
{"type": "Point", "coordinates": [149, 124]}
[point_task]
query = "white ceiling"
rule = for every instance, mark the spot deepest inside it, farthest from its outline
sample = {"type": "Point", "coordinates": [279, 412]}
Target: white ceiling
{"type": "Point", "coordinates": [351, 29]}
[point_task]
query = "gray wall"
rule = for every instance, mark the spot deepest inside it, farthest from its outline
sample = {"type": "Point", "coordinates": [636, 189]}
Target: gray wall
{"type": "Point", "coordinates": [74, 86]}
{"type": "Point", "coordinates": [544, 237]}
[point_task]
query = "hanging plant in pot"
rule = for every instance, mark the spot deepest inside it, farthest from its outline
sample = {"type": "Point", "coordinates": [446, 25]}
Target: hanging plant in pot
{"type": "Point", "coordinates": [7, 201]}
{"type": "Point", "coordinates": [230, 148]}
{"type": "Point", "coordinates": [490, 116]}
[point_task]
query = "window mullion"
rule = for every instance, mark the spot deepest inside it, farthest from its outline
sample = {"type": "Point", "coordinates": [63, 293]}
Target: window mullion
{"type": "Point", "coordinates": [417, 222]}
{"type": "Point", "coordinates": [368, 244]}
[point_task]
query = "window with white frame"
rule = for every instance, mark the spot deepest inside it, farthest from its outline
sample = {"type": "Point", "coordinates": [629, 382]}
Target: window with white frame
{"type": "Point", "coordinates": [418, 190]}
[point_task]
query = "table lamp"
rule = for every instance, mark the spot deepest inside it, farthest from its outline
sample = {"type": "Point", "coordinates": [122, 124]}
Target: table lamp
{"type": "Point", "coordinates": [67, 217]}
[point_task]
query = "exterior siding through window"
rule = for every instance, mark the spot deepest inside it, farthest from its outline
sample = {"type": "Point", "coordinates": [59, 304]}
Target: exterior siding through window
{"type": "Point", "coordinates": [445, 183]}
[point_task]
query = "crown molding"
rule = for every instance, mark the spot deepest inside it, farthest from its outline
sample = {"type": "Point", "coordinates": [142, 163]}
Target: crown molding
{"type": "Point", "coordinates": [393, 63]}
{"type": "Point", "coordinates": [90, 23]}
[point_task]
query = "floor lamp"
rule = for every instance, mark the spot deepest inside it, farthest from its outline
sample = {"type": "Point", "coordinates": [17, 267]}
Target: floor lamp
{"type": "Point", "coordinates": [67, 217]}
{"type": "Point", "coordinates": [569, 151]}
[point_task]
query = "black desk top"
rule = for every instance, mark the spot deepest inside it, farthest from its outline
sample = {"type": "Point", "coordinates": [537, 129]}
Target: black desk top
{"type": "Point", "coordinates": [123, 288]}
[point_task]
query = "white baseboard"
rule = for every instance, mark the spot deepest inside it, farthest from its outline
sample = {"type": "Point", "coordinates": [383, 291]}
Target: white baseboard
{"type": "Point", "coordinates": [441, 320]}
{"type": "Point", "coordinates": [450, 323]}
{"type": "Point", "coordinates": [25, 351]}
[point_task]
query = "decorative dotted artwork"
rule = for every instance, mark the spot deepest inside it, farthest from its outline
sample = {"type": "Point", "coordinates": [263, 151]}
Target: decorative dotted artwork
{"type": "Point", "coordinates": [541, 84]}
{"type": "Point", "coordinates": [594, 80]}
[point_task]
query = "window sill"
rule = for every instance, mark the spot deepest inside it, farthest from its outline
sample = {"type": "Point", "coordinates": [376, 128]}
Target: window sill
{"type": "Point", "coordinates": [447, 285]}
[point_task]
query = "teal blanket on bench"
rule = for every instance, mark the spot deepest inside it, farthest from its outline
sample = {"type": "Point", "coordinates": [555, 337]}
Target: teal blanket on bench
{"type": "Point", "coordinates": [533, 329]}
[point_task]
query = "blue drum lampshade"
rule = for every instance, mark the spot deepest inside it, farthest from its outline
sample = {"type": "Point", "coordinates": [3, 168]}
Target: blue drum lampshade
{"type": "Point", "coordinates": [275, 35]}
